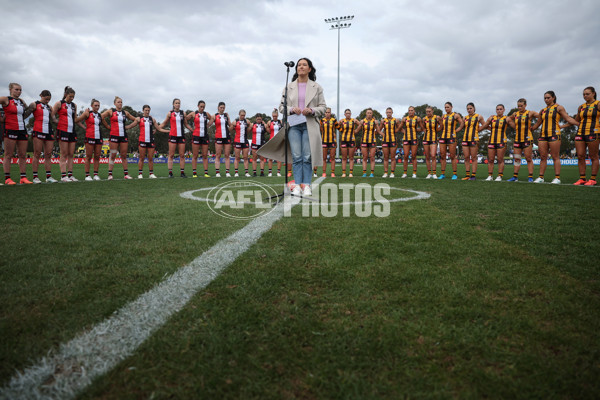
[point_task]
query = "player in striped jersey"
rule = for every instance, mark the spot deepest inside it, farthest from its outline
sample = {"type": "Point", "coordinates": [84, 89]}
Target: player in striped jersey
{"type": "Point", "coordinates": [15, 134]}
{"type": "Point", "coordinates": [259, 133]}
{"type": "Point", "coordinates": [432, 124]}
{"type": "Point", "coordinates": [368, 145]}
{"type": "Point", "coordinates": [93, 139]}
{"type": "Point", "coordinates": [549, 139]}
{"type": "Point", "coordinates": [202, 120]}
{"type": "Point", "coordinates": [452, 123]}
{"type": "Point", "coordinates": [65, 131]}
{"type": "Point", "coordinates": [348, 128]}
{"type": "Point", "coordinates": [470, 142]}
{"type": "Point", "coordinates": [274, 126]}
{"type": "Point", "coordinates": [119, 142]}
{"type": "Point", "coordinates": [389, 127]}
{"type": "Point", "coordinates": [222, 140]}
{"type": "Point", "coordinates": [497, 143]}
{"type": "Point", "coordinates": [43, 138]}
{"type": "Point", "coordinates": [520, 121]}
{"type": "Point", "coordinates": [328, 133]}
{"type": "Point", "coordinates": [176, 120]}
{"type": "Point", "coordinates": [588, 135]}
{"type": "Point", "coordinates": [410, 125]}
{"type": "Point", "coordinates": [147, 125]}
{"type": "Point", "coordinates": [242, 128]}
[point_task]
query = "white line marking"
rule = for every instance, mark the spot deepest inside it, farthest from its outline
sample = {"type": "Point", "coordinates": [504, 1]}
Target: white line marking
{"type": "Point", "coordinates": [76, 363]}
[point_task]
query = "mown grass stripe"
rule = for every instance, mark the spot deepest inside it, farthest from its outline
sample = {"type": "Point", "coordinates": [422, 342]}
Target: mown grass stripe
{"type": "Point", "coordinates": [92, 353]}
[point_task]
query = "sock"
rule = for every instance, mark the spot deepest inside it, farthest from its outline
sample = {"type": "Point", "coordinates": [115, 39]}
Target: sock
{"type": "Point", "coordinates": [6, 176]}
{"type": "Point", "coordinates": [35, 175]}
{"type": "Point", "coordinates": [23, 175]}
{"type": "Point", "coordinates": [125, 172]}
{"type": "Point", "coordinates": [557, 176]}
{"type": "Point", "coordinates": [70, 174]}
{"type": "Point", "coordinates": [217, 171]}
{"type": "Point", "coordinates": [170, 172]}
{"type": "Point", "coordinates": [109, 173]}
{"type": "Point", "coordinates": [580, 177]}
{"type": "Point", "coordinates": [63, 174]}
{"type": "Point", "coordinates": [48, 174]}
{"type": "Point", "coordinates": [501, 174]}
{"type": "Point", "coordinates": [593, 178]}
{"type": "Point", "coordinates": [95, 173]}
{"type": "Point", "coordinates": [515, 174]}
{"type": "Point", "coordinates": [87, 174]}
{"type": "Point", "coordinates": [530, 176]}
{"type": "Point", "coordinates": [151, 171]}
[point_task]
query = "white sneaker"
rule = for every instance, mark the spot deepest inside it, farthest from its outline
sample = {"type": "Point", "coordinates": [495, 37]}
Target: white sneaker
{"type": "Point", "coordinates": [296, 191]}
{"type": "Point", "coordinates": [392, 175]}
{"type": "Point", "coordinates": [414, 176]}
{"type": "Point", "coordinates": [556, 181]}
{"type": "Point", "coordinates": [428, 176]}
{"type": "Point", "coordinates": [247, 175]}
{"type": "Point", "coordinates": [236, 175]}
{"type": "Point", "coordinates": [73, 179]}
{"type": "Point", "coordinates": [539, 180]}
{"type": "Point", "coordinates": [36, 180]}
{"type": "Point", "coordinates": [65, 179]}
{"type": "Point", "coordinates": [314, 175]}
{"type": "Point", "coordinates": [218, 175]}
{"type": "Point", "coordinates": [228, 175]}
{"type": "Point", "coordinates": [434, 176]}
{"type": "Point", "coordinates": [152, 176]}
{"type": "Point", "coordinates": [127, 177]}
{"type": "Point", "coordinates": [110, 177]}
{"type": "Point", "coordinates": [498, 179]}
{"type": "Point", "coordinates": [489, 178]}
{"type": "Point", "coordinates": [140, 176]}
{"type": "Point", "coordinates": [88, 178]}
{"type": "Point", "coordinates": [385, 175]}
{"type": "Point", "coordinates": [270, 174]}
{"type": "Point", "coordinates": [96, 178]}
{"type": "Point", "coordinates": [307, 191]}
{"type": "Point", "coordinates": [404, 175]}
{"type": "Point", "coordinates": [279, 174]}
{"type": "Point", "coordinates": [51, 180]}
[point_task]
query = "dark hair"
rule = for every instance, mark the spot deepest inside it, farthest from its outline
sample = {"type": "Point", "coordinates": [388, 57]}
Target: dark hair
{"type": "Point", "coordinates": [221, 103]}
{"type": "Point", "coordinates": [522, 100]}
{"type": "Point", "coordinates": [145, 106]}
{"type": "Point", "coordinates": [201, 102]}
{"type": "Point", "coordinates": [551, 93]}
{"type": "Point", "coordinates": [389, 108]}
{"type": "Point", "coordinates": [328, 108]}
{"type": "Point", "coordinates": [94, 101]}
{"type": "Point", "coordinates": [312, 75]}
{"type": "Point", "coordinates": [501, 105]}
{"type": "Point", "coordinates": [347, 109]}
{"type": "Point", "coordinates": [47, 93]}
{"type": "Point", "coordinates": [68, 90]}
{"type": "Point", "coordinates": [471, 104]}
{"type": "Point", "coordinates": [593, 91]}
{"type": "Point", "coordinates": [175, 99]}
{"type": "Point", "coordinates": [450, 104]}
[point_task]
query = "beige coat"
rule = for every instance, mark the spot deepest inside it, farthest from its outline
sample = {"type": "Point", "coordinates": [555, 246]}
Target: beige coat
{"type": "Point", "coordinates": [274, 148]}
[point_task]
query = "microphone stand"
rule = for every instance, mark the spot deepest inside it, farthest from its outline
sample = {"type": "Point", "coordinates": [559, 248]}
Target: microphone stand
{"type": "Point", "coordinates": [286, 127]}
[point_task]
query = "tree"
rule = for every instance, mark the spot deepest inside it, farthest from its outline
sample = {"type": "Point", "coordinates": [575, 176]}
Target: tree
{"type": "Point", "coordinates": [420, 111]}
{"type": "Point", "coordinates": [363, 114]}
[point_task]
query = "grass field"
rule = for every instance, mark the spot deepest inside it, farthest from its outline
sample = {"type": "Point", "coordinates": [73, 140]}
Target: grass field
{"type": "Point", "coordinates": [484, 290]}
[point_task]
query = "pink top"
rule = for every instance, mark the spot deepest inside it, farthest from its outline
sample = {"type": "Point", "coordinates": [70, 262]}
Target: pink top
{"type": "Point", "coordinates": [301, 95]}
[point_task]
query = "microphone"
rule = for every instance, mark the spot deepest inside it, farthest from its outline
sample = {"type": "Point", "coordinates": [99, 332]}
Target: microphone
{"type": "Point", "coordinates": [289, 64]}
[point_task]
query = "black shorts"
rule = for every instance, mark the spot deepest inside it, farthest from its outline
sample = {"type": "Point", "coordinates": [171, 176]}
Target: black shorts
{"type": "Point", "coordinates": [447, 141]}
{"type": "Point", "coordinates": [586, 138]}
{"type": "Point", "coordinates": [222, 141]}
{"type": "Point", "coordinates": [344, 145]}
{"type": "Point", "coordinates": [43, 136]}
{"type": "Point", "coordinates": [469, 143]}
{"type": "Point", "coordinates": [329, 145]}
{"type": "Point", "coordinates": [388, 144]}
{"type": "Point", "coordinates": [496, 145]}
{"type": "Point", "coordinates": [429, 142]}
{"type": "Point", "coordinates": [367, 145]}
{"type": "Point", "coordinates": [147, 145]}
{"type": "Point", "coordinates": [199, 139]}
{"type": "Point", "coordinates": [522, 145]}
{"type": "Point", "coordinates": [66, 136]}
{"type": "Point", "coordinates": [256, 146]}
{"type": "Point", "coordinates": [240, 145]}
{"type": "Point", "coordinates": [410, 142]}
{"type": "Point", "coordinates": [118, 139]}
{"type": "Point", "coordinates": [94, 142]}
{"type": "Point", "coordinates": [552, 138]}
{"type": "Point", "coordinates": [177, 139]}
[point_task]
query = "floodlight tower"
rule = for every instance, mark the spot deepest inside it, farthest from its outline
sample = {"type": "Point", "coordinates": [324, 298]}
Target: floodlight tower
{"type": "Point", "coordinates": [337, 23]}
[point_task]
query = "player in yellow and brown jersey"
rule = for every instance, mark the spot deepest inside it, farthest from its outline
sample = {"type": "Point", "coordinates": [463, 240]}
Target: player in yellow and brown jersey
{"type": "Point", "coordinates": [410, 125]}
{"type": "Point", "coordinates": [451, 124]}
{"type": "Point", "coordinates": [370, 128]}
{"type": "Point", "coordinates": [328, 133]}
{"type": "Point", "coordinates": [520, 121]}
{"type": "Point", "coordinates": [431, 126]}
{"type": "Point", "coordinates": [348, 128]}
{"type": "Point", "coordinates": [389, 144]}
{"type": "Point", "coordinates": [497, 143]}
{"type": "Point", "coordinates": [470, 141]}
{"type": "Point", "coordinates": [588, 135]}
{"type": "Point", "coordinates": [550, 135]}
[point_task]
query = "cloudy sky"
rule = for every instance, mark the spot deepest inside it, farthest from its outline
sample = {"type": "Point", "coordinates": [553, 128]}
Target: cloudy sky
{"type": "Point", "coordinates": [396, 53]}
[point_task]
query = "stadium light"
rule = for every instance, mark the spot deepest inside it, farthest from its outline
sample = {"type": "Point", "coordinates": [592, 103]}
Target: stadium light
{"type": "Point", "coordinates": [337, 25]}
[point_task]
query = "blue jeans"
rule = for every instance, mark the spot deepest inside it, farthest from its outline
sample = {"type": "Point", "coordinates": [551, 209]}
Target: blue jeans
{"type": "Point", "coordinates": [301, 160]}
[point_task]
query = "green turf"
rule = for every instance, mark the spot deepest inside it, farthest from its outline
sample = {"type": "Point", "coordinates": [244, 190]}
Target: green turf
{"type": "Point", "coordinates": [485, 290]}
